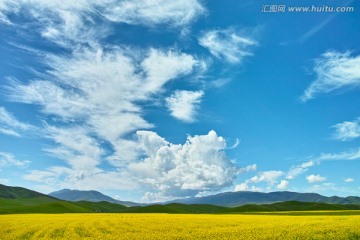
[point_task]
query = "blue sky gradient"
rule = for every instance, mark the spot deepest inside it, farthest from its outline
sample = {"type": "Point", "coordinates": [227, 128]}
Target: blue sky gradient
{"type": "Point", "coordinates": [156, 100]}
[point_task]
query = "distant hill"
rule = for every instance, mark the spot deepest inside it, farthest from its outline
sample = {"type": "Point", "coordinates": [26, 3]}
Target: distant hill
{"type": "Point", "coordinates": [293, 206]}
{"type": "Point", "coordinates": [19, 192]}
{"type": "Point", "coordinates": [177, 208]}
{"type": "Point", "coordinates": [22, 200]}
{"type": "Point", "coordinates": [234, 199]}
{"type": "Point", "coordinates": [91, 196]}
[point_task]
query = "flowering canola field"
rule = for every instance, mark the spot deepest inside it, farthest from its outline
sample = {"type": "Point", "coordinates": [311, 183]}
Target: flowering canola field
{"type": "Point", "coordinates": [177, 226]}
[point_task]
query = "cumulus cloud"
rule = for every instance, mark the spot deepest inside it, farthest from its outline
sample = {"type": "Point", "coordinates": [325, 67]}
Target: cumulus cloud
{"type": "Point", "coordinates": [228, 44]}
{"type": "Point", "coordinates": [163, 169]}
{"type": "Point", "coordinates": [100, 89]}
{"type": "Point", "coordinates": [64, 22]}
{"type": "Point", "coordinates": [334, 70]}
{"type": "Point", "coordinates": [347, 130]}
{"type": "Point", "coordinates": [180, 170]}
{"type": "Point", "coordinates": [270, 177]}
{"type": "Point", "coordinates": [93, 99]}
{"type": "Point", "coordinates": [315, 178]}
{"type": "Point", "coordinates": [245, 187]}
{"type": "Point", "coordinates": [183, 104]}
{"type": "Point", "coordinates": [349, 180]}
{"type": "Point", "coordinates": [9, 160]}
{"type": "Point", "coordinates": [283, 185]}
{"type": "Point", "coordinates": [10, 125]}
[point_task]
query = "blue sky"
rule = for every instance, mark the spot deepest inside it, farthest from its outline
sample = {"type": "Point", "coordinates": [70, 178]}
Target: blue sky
{"type": "Point", "coordinates": [155, 100]}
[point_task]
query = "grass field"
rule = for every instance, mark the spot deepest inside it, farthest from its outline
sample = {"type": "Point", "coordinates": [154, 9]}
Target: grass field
{"type": "Point", "coordinates": [178, 226]}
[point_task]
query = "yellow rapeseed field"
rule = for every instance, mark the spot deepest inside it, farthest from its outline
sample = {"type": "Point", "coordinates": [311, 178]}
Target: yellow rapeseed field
{"type": "Point", "coordinates": [176, 226]}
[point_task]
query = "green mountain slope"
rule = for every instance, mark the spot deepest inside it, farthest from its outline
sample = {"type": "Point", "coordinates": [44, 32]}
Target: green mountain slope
{"type": "Point", "coordinates": [234, 199]}
{"type": "Point", "coordinates": [22, 200]}
{"type": "Point", "coordinates": [177, 208]}
{"type": "Point", "coordinates": [19, 192]}
{"type": "Point", "coordinates": [101, 206]}
{"type": "Point", "coordinates": [91, 196]}
{"type": "Point", "coordinates": [293, 206]}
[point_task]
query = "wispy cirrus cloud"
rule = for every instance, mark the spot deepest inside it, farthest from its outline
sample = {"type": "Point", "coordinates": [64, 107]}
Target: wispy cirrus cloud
{"type": "Point", "coordinates": [347, 130]}
{"type": "Point", "coordinates": [155, 12]}
{"type": "Point", "coordinates": [297, 170]}
{"type": "Point", "coordinates": [183, 104]}
{"type": "Point", "coordinates": [93, 97]}
{"type": "Point", "coordinates": [334, 70]}
{"type": "Point", "coordinates": [100, 89]}
{"type": "Point", "coordinates": [9, 160]}
{"type": "Point", "coordinates": [10, 125]}
{"type": "Point", "coordinates": [62, 177]}
{"type": "Point", "coordinates": [97, 91]}
{"type": "Point", "coordinates": [228, 44]}
{"type": "Point", "coordinates": [66, 22]}
{"type": "Point", "coordinates": [342, 156]}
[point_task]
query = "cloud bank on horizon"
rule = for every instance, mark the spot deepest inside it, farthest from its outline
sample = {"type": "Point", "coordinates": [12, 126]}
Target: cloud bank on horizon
{"type": "Point", "coordinates": [125, 97]}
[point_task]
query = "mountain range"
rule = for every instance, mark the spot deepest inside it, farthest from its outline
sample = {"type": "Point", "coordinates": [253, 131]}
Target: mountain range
{"type": "Point", "coordinates": [91, 196]}
{"type": "Point", "coordinates": [227, 199]}
{"type": "Point", "coordinates": [233, 199]}
{"type": "Point", "coordinates": [22, 200]}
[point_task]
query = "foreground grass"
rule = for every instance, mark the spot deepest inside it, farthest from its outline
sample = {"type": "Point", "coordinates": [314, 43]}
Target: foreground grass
{"type": "Point", "coordinates": [179, 226]}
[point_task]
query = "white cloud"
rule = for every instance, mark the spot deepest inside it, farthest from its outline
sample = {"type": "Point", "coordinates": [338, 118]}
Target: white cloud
{"type": "Point", "coordinates": [350, 155]}
{"type": "Point", "coordinates": [334, 70]}
{"type": "Point", "coordinates": [4, 181]}
{"type": "Point", "coordinates": [270, 177]}
{"type": "Point", "coordinates": [90, 179]}
{"type": "Point", "coordinates": [75, 146]}
{"type": "Point", "coordinates": [227, 44]}
{"type": "Point", "coordinates": [347, 130]}
{"type": "Point", "coordinates": [349, 180]}
{"type": "Point", "coordinates": [299, 169]}
{"type": "Point", "coordinates": [5, 8]}
{"type": "Point", "coordinates": [65, 22]}
{"type": "Point", "coordinates": [183, 104]}
{"type": "Point", "coordinates": [9, 160]}
{"type": "Point", "coordinates": [155, 12]}
{"type": "Point", "coordinates": [177, 170]}
{"type": "Point", "coordinates": [241, 187]}
{"type": "Point", "coordinates": [283, 184]}
{"type": "Point", "coordinates": [315, 29]}
{"type": "Point", "coordinates": [165, 170]}
{"type": "Point", "coordinates": [246, 187]}
{"type": "Point", "coordinates": [160, 67]}
{"type": "Point", "coordinates": [315, 178]}
{"type": "Point", "coordinates": [99, 90]}
{"type": "Point", "coordinates": [94, 96]}
{"type": "Point", "coordinates": [10, 125]}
